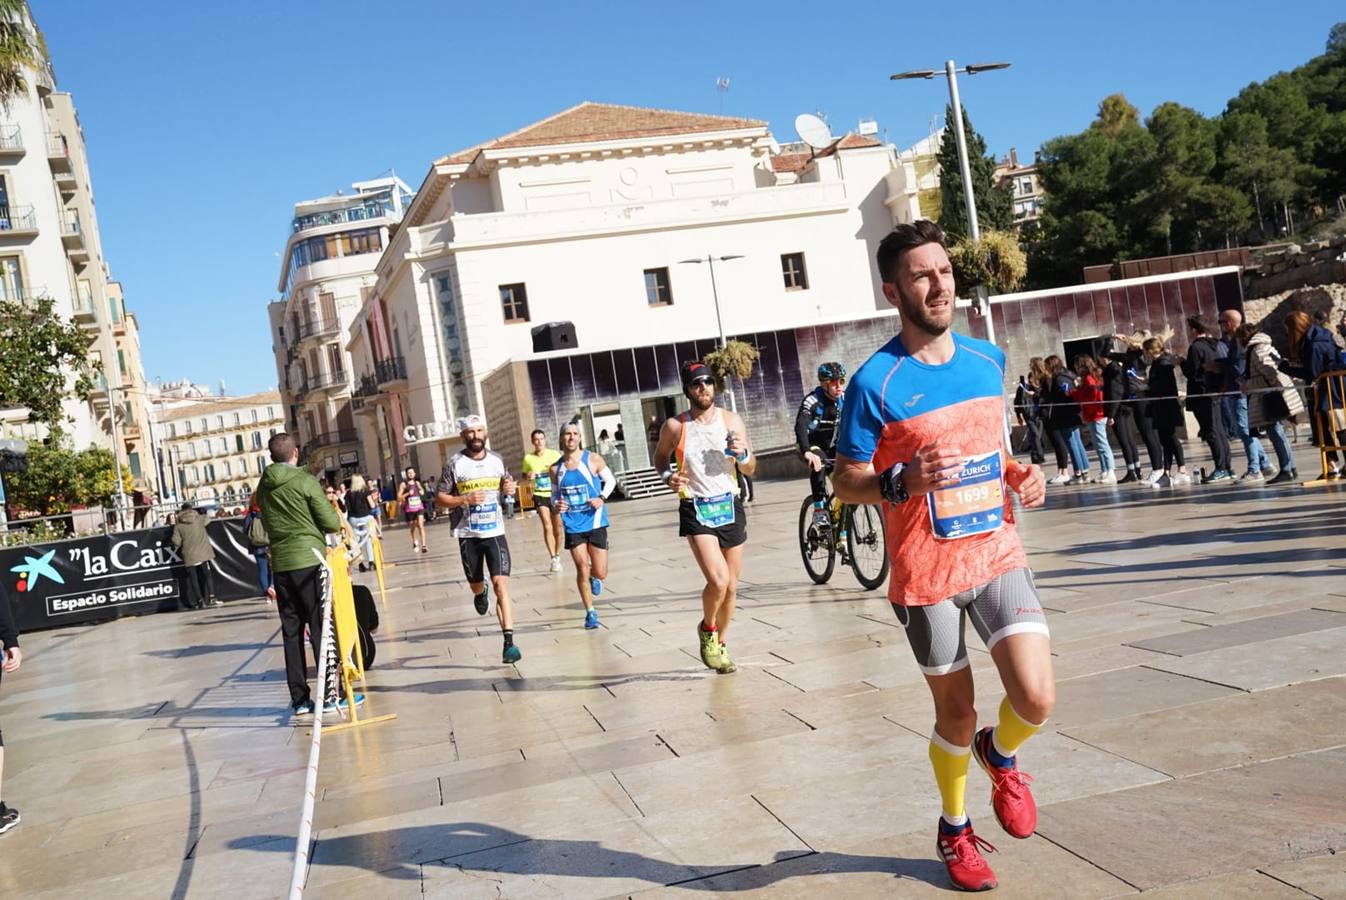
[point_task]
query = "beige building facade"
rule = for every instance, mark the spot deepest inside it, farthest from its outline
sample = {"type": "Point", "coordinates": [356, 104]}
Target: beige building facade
{"type": "Point", "coordinates": [216, 448]}
{"type": "Point", "coordinates": [1026, 191]}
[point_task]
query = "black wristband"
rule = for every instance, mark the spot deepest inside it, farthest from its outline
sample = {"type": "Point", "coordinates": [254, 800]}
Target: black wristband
{"type": "Point", "coordinates": [891, 487]}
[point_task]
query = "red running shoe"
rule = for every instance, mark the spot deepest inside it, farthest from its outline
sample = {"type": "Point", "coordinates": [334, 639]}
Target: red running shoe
{"type": "Point", "coordinates": [1010, 797]}
{"type": "Point", "coordinates": [961, 853]}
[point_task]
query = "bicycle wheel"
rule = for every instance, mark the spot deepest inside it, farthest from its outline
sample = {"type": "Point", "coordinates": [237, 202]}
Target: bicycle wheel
{"type": "Point", "coordinates": [816, 545]}
{"type": "Point", "coordinates": [866, 545]}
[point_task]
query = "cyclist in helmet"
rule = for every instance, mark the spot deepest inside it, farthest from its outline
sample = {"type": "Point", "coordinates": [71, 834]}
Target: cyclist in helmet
{"type": "Point", "coordinates": [816, 428]}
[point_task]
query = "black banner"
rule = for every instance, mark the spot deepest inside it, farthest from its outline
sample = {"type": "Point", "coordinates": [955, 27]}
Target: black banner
{"type": "Point", "coordinates": [131, 573]}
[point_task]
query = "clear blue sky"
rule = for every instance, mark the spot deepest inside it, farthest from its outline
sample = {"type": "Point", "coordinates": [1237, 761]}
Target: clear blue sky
{"type": "Point", "coordinates": [206, 122]}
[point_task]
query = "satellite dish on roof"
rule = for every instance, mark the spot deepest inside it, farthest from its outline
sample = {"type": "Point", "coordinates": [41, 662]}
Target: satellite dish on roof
{"type": "Point", "coordinates": [813, 131]}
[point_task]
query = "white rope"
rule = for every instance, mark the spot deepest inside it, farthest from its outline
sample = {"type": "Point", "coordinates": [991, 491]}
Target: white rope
{"type": "Point", "coordinates": [300, 873]}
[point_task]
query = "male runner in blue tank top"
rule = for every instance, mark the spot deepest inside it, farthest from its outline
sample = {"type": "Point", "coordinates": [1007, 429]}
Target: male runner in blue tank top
{"type": "Point", "coordinates": [583, 482]}
{"type": "Point", "coordinates": [923, 430]}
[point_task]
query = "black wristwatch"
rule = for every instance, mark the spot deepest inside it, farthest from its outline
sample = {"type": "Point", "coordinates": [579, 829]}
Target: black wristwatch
{"type": "Point", "coordinates": [891, 487]}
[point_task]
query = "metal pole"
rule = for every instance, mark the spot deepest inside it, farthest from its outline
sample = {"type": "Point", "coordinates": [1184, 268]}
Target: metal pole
{"type": "Point", "coordinates": [719, 323]}
{"type": "Point", "coordinates": [118, 498]}
{"type": "Point", "coordinates": [969, 198]}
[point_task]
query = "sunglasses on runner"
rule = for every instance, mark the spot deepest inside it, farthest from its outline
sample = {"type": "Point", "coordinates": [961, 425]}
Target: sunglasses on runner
{"type": "Point", "coordinates": [702, 381]}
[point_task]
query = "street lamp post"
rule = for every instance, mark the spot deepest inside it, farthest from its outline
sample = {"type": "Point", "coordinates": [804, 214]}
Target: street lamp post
{"type": "Point", "coordinates": [974, 231]}
{"type": "Point", "coordinates": [710, 260]}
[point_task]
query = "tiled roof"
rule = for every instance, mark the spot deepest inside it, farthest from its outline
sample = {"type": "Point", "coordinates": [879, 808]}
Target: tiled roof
{"type": "Point", "coordinates": [856, 141]}
{"type": "Point", "coordinates": [790, 162]}
{"type": "Point", "coordinates": [589, 122]}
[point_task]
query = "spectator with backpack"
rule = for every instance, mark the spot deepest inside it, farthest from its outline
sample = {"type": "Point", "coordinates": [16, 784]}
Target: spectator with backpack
{"type": "Point", "coordinates": [1272, 396]}
{"type": "Point", "coordinates": [1312, 353]}
{"type": "Point", "coordinates": [261, 549]}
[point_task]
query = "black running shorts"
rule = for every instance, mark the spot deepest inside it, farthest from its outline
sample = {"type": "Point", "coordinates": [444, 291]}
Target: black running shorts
{"type": "Point", "coordinates": [542, 501]}
{"type": "Point", "coordinates": [731, 535]}
{"type": "Point", "coordinates": [596, 537]}
{"type": "Point", "coordinates": [480, 554]}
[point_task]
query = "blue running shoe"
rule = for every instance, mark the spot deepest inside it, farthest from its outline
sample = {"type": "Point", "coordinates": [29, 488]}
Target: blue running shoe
{"type": "Point", "coordinates": [512, 655]}
{"type": "Point", "coordinates": [595, 586]}
{"type": "Point", "coordinates": [591, 619]}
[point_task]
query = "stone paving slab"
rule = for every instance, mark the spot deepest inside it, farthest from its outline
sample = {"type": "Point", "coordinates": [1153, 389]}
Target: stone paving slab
{"type": "Point", "coordinates": [1228, 731]}
{"type": "Point", "coordinates": [1235, 819]}
{"type": "Point", "coordinates": [590, 768]}
{"type": "Point", "coordinates": [1276, 662]}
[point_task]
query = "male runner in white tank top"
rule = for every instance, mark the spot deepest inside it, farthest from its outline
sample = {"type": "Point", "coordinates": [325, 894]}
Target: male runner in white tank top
{"type": "Point", "coordinates": [710, 444]}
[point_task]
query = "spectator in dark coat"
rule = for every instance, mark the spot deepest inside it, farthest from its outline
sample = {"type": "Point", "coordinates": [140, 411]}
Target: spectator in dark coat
{"type": "Point", "coordinates": [1312, 353]}
{"type": "Point", "coordinates": [10, 658]}
{"type": "Point", "coordinates": [1204, 366]}
{"type": "Point", "coordinates": [1166, 411]}
{"type": "Point", "coordinates": [191, 539]}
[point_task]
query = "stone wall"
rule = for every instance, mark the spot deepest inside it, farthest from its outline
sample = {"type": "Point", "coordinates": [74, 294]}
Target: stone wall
{"type": "Point", "coordinates": [1296, 266]}
{"type": "Point", "coordinates": [1271, 311]}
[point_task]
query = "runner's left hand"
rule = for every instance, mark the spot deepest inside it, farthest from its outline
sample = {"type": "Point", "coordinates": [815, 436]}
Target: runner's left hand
{"type": "Point", "coordinates": [561, 505]}
{"type": "Point", "coordinates": [597, 502]}
{"type": "Point", "coordinates": [1029, 483]}
{"type": "Point", "coordinates": [508, 485]}
{"type": "Point", "coordinates": [13, 657]}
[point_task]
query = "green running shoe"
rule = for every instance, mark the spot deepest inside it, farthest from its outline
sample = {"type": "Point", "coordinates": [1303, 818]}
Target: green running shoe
{"type": "Point", "coordinates": [710, 647]}
{"type": "Point", "coordinates": [726, 666]}
{"type": "Point", "coordinates": [512, 655]}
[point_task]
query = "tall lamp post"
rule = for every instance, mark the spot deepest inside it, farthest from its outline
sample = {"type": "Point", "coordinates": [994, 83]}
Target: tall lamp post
{"type": "Point", "coordinates": [710, 261]}
{"type": "Point", "coordinates": [951, 73]}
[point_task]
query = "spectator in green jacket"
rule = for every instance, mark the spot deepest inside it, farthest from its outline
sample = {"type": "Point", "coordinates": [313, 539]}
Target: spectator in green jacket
{"type": "Point", "coordinates": [296, 515]}
{"type": "Point", "coordinates": [190, 537]}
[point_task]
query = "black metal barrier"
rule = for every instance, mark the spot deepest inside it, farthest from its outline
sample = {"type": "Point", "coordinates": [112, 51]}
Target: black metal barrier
{"type": "Point", "coordinates": [130, 573]}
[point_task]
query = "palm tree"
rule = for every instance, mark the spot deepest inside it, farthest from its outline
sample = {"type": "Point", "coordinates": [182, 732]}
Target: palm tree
{"type": "Point", "coordinates": [20, 48]}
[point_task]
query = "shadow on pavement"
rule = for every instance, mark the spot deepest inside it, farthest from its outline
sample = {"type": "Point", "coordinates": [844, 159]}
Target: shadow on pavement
{"type": "Point", "coordinates": [477, 847]}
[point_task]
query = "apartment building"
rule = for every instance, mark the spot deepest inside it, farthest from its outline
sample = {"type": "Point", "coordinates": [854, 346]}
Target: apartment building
{"type": "Point", "coordinates": [595, 217]}
{"type": "Point", "coordinates": [134, 421]}
{"type": "Point", "coordinates": [1026, 191]}
{"type": "Point", "coordinates": [50, 247]}
{"type": "Point", "coordinates": [215, 448]}
{"type": "Point", "coordinates": [326, 273]}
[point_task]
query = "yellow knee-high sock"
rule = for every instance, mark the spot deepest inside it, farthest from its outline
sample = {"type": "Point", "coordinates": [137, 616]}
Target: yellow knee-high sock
{"type": "Point", "coordinates": [950, 764]}
{"type": "Point", "coordinates": [1012, 730]}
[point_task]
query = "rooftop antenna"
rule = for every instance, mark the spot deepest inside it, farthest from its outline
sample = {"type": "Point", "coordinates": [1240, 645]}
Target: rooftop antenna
{"type": "Point", "coordinates": [722, 85]}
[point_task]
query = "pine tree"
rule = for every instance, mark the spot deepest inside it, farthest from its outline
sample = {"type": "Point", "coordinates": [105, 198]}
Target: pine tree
{"type": "Point", "coordinates": [994, 207]}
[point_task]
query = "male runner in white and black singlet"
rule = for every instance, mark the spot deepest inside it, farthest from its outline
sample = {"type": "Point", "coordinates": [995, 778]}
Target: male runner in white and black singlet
{"type": "Point", "coordinates": [472, 486]}
{"type": "Point", "coordinates": [709, 443]}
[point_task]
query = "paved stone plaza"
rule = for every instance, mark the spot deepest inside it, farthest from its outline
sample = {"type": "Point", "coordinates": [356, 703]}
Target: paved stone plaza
{"type": "Point", "coordinates": [1198, 748]}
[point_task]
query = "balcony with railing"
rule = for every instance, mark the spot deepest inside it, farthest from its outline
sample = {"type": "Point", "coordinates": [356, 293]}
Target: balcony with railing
{"type": "Point", "coordinates": [17, 221]}
{"type": "Point", "coordinates": [327, 381]}
{"type": "Point", "coordinates": [72, 235]}
{"type": "Point", "coordinates": [389, 373]}
{"type": "Point", "coordinates": [334, 438]}
{"type": "Point", "coordinates": [58, 152]}
{"type": "Point", "coordinates": [316, 328]}
{"type": "Point", "coordinates": [11, 141]}
{"type": "Point", "coordinates": [373, 208]}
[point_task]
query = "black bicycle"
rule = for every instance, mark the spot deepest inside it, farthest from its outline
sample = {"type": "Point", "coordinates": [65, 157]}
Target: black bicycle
{"type": "Point", "coordinates": [855, 532]}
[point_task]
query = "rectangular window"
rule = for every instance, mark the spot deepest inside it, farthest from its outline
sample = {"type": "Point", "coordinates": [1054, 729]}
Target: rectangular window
{"type": "Point", "coordinates": [792, 269]}
{"type": "Point", "coordinates": [11, 281]}
{"type": "Point", "coordinates": [172, 430]}
{"type": "Point", "coordinates": [222, 445]}
{"type": "Point", "coordinates": [238, 419]}
{"type": "Point", "coordinates": [367, 240]}
{"type": "Point", "coordinates": [1025, 185]}
{"type": "Point", "coordinates": [253, 413]}
{"type": "Point", "coordinates": [225, 469]}
{"type": "Point", "coordinates": [210, 471]}
{"type": "Point", "coordinates": [270, 412]}
{"type": "Point", "coordinates": [187, 427]}
{"type": "Point", "coordinates": [514, 302]}
{"type": "Point", "coordinates": [204, 424]}
{"type": "Point", "coordinates": [121, 361]}
{"type": "Point", "coordinates": [238, 443]}
{"type": "Point", "coordinates": [189, 451]}
{"type": "Point", "coordinates": [657, 289]}
{"type": "Point", "coordinates": [219, 421]}
{"type": "Point", "coordinates": [335, 364]}
{"type": "Point", "coordinates": [205, 448]}
{"type": "Point", "coordinates": [257, 440]}
{"type": "Point", "coordinates": [134, 460]}
{"type": "Point", "coordinates": [261, 464]}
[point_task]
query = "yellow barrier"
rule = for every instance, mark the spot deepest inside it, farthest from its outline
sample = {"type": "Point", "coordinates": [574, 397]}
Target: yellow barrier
{"type": "Point", "coordinates": [348, 638]}
{"type": "Point", "coordinates": [1329, 423]}
{"type": "Point", "coordinates": [378, 567]}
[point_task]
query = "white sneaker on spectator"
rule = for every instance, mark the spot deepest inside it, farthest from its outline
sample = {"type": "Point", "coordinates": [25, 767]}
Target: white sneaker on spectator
{"type": "Point", "coordinates": [1108, 478]}
{"type": "Point", "coordinates": [1081, 479]}
{"type": "Point", "coordinates": [1251, 475]}
{"type": "Point", "coordinates": [1162, 481]}
{"type": "Point", "coordinates": [1061, 478]}
{"type": "Point", "coordinates": [1153, 477]}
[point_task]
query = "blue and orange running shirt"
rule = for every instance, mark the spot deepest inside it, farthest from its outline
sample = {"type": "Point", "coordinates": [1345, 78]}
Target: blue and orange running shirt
{"type": "Point", "coordinates": [962, 536]}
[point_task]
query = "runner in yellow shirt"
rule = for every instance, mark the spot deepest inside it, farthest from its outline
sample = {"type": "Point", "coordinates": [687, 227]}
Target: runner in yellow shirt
{"type": "Point", "coordinates": [537, 469]}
